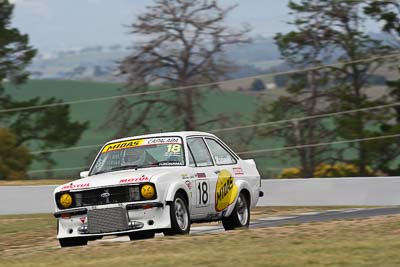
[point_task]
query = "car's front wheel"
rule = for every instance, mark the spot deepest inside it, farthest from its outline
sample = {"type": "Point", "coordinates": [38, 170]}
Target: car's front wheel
{"type": "Point", "coordinates": [180, 217]}
{"type": "Point", "coordinates": [72, 242]}
{"type": "Point", "coordinates": [240, 216]}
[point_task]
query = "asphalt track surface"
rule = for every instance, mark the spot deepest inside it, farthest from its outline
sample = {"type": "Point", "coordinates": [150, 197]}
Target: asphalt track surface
{"type": "Point", "coordinates": [307, 217]}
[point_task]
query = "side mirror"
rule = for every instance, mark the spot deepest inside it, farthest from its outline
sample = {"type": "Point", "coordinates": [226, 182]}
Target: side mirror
{"type": "Point", "coordinates": [84, 174]}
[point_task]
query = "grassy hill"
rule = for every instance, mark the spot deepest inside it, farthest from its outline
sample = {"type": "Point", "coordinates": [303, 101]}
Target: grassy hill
{"type": "Point", "coordinates": [96, 112]}
{"type": "Point", "coordinates": [239, 104]}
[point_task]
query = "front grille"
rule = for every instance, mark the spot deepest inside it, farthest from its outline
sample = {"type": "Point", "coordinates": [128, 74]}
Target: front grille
{"type": "Point", "coordinates": [104, 196]}
{"type": "Point", "coordinates": [107, 220]}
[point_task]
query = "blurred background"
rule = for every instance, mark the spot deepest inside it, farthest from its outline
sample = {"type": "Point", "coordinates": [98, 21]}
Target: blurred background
{"type": "Point", "coordinates": [307, 88]}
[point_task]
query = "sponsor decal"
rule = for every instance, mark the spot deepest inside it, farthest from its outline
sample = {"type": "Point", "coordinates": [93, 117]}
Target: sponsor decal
{"type": "Point", "coordinates": [134, 180]}
{"type": "Point", "coordinates": [238, 171]}
{"type": "Point", "coordinates": [174, 141]}
{"type": "Point", "coordinates": [170, 164]}
{"type": "Point", "coordinates": [201, 175]}
{"type": "Point", "coordinates": [83, 219]}
{"type": "Point", "coordinates": [164, 140]}
{"type": "Point", "coordinates": [185, 176]}
{"type": "Point", "coordinates": [122, 145]}
{"type": "Point", "coordinates": [188, 184]}
{"type": "Point", "coordinates": [226, 190]}
{"type": "Point", "coordinates": [75, 186]}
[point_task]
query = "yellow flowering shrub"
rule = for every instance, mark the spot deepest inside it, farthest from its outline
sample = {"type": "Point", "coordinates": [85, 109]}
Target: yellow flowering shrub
{"type": "Point", "coordinates": [339, 169]}
{"type": "Point", "coordinates": [290, 173]}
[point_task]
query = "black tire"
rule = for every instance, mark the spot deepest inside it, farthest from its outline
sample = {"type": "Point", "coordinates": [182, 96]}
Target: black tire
{"type": "Point", "coordinates": [179, 215]}
{"type": "Point", "coordinates": [72, 242]}
{"type": "Point", "coordinates": [240, 216]}
{"type": "Point", "coordinates": [142, 235]}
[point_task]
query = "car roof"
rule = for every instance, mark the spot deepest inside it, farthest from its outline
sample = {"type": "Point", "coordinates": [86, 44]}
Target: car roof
{"type": "Point", "coordinates": [182, 134]}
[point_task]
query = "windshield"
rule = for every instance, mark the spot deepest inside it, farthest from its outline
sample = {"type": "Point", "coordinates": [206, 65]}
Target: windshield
{"type": "Point", "coordinates": [140, 153]}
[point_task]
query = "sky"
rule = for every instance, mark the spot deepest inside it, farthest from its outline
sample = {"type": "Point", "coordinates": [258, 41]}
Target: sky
{"type": "Point", "coordinates": [55, 25]}
{"type": "Point", "coordinates": [71, 24]}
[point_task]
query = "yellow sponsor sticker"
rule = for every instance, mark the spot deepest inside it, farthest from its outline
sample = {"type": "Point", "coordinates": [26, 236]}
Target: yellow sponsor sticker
{"type": "Point", "coordinates": [122, 145]}
{"type": "Point", "coordinates": [226, 190]}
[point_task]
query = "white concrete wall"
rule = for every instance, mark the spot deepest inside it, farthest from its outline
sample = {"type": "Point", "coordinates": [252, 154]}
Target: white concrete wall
{"type": "Point", "coordinates": [26, 199]}
{"type": "Point", "coordinates": [380, 191]}
{"type": "Point", "coordinates": [331, 191]}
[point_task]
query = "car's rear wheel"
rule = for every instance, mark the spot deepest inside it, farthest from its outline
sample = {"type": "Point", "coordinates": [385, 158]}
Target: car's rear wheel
{"type": "Point", "coordinates": [72, 242]}
{"type": "Point", "coordinates": [240, 216]}
{"type": "Point", "coordinates": [142, 235]}
{"type": "Point", "coordinates": [180, 217]}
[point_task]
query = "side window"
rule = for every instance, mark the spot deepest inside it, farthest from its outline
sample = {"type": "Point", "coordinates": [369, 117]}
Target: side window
{"type": "Point", "coordinates": [200, 152]}
{"type": "Point", "coordinates": [220, 154]}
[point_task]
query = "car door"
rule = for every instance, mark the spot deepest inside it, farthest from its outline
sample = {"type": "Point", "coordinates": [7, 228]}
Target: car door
{"type": "Point", "coordinates": [202, 175]}
{"type": "Point", "coordinates": [227, 171]}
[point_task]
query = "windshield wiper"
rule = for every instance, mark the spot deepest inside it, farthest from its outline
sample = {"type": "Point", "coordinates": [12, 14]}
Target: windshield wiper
{"type": "Point", "coordinates": [119, 168]}
{"type": "Point", "coordinates": [125, 167]}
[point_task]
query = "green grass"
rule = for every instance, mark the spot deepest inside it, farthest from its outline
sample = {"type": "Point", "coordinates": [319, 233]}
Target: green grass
{"type": "Point", "coordinates": [241, 105]}
{"type": "Point", "coordinates": [96, 112]}
{"type": "Point", "coordinates": [361, 242]}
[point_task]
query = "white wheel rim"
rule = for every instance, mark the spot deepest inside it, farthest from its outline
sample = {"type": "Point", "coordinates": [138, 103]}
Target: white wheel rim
{"type": "Point", "coordinates": [242, 210]}
{"type": "Point", "coordinates": [181, 214]}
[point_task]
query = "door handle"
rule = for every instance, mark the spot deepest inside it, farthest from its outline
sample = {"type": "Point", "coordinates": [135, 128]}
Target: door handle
{"type": "Point", "coordinates": [217, 172]}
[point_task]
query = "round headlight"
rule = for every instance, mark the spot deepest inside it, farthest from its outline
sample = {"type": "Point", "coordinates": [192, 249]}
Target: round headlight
{"type": "Point", "coordinates": [147, 191]}
{"type": "Point", "coordinates": [66, 200]}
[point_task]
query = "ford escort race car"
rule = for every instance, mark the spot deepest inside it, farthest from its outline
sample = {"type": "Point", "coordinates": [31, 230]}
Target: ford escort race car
{"type": "Point", "coordinates": [142, 185]}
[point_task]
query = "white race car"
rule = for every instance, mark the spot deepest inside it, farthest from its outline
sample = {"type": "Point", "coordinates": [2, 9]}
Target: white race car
{"type": "Point", "coordinates": [142, 185]}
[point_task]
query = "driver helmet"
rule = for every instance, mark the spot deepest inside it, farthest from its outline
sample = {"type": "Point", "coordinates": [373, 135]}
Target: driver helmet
{"type": "Point", "coordinates": [134, 156]}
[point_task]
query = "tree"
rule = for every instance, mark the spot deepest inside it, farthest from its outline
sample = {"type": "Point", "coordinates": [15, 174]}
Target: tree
{"type": "Point", "coordinates": [328, 31]}
{"type": "Point", "coordinates": [15, 52]}
{"type": "Point", "coordinates": [301, 48]}
{"type": "Point", "coordinates": [257, 85]}
{"type": "Point", "coordinates": [351, 43]}
{"type": "Point", "coordinates": [14, 158]}
{"type": "Point", "coordinates": [184, 45]}
{"type": "Point", "coordinates": [46, 127]}
{"type": "Point", "coordinates": [387, 13]}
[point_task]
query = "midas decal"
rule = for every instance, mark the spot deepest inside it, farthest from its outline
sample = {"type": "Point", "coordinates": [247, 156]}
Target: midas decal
{"type": "Point", "coordinates": [226, 190]}
{"type": "Point", "coordinates": [122, 145]}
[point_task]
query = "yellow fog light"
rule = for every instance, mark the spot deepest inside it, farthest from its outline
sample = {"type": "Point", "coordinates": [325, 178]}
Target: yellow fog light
{"type": "Point", "coordinates": [66, 200]}
{"type": "Point", "coordinates": [147, 191]}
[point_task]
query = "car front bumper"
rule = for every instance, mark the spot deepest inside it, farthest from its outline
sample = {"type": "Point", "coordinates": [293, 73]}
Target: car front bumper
{"type": "Point", "coordinates": [150, 216]}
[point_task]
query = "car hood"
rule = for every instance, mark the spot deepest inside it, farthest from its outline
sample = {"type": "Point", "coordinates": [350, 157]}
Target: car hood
{"type": "Point", "coordinates": [116, 178]}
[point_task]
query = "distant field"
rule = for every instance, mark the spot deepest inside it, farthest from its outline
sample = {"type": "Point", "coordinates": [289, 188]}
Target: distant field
{"type": "Point", "coordinates": [361, 242]}
{"type": "Point", "coordinates": [95, 112]}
